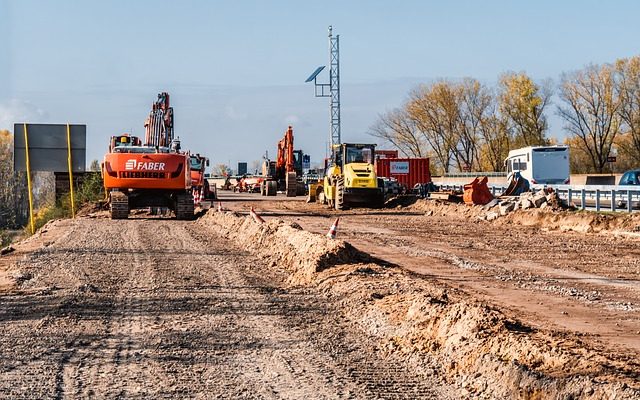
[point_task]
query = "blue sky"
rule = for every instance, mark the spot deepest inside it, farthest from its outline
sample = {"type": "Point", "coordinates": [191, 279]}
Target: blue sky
{"type": "Point", "coordinates": [236, 69]}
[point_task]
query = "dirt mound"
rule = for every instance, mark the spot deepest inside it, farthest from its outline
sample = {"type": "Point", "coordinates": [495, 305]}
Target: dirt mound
{"type": "Point", "coordinates": [284, 244]}
{"type": "Point", "coordinates": [578, 221]}
{"type": "Point", "coordinates": [436, 329]}
{"type": "Point", "coordinates": [547, 219]}
{"type": "Point", "coordinates": [447, 209]}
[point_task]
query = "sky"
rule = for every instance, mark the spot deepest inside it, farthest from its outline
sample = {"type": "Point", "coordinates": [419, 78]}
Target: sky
{"type": "Point", "coordinates": [236, 69]}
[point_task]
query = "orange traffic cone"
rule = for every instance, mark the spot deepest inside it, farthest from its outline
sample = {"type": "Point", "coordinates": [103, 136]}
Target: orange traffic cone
{"type": "Point", "coordinates": [333, 230]}
{"type": "Point", "coordinates": [256, 217]}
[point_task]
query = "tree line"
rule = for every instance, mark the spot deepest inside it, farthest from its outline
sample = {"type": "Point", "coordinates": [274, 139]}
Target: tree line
{"type": "Point", "coordinates": [467, 125]}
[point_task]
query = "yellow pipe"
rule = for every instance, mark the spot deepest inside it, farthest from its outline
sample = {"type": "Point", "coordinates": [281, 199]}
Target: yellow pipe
{"type": "Point", "coordinates": [73, 204]}
{"type": "Point", "coordinates": [26, 149]}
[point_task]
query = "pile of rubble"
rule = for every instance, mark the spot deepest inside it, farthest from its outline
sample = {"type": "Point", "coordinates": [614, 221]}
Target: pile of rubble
{"type": "Point", "coordinates": [528, 200]}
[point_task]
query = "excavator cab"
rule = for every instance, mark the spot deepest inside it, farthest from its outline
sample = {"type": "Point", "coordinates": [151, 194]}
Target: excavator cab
{"type": "Point", "coordinates": [124, 140]}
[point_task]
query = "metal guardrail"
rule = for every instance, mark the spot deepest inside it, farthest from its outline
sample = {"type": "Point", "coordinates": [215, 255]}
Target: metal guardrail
{"type": "Point", "coordinates": [471, 174]}
{"type": "Point", "coordinates": [599, 197]}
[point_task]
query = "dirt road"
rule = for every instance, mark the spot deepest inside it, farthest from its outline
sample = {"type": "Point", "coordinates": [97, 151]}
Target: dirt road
{"type": "Point", "coordinates": [586, 283]}
{"type": "Point", "coordinates": [151, 308]}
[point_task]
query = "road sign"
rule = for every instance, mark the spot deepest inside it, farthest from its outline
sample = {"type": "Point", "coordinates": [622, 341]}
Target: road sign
{"type": "Point", "coordinates": [48, 150]}
{"type": "Point", "coordinates": [611, 159]}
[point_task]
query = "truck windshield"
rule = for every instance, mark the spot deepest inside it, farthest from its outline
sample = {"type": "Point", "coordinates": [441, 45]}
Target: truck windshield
{"type": "Point", "coordinates": [359, 155]}
{"type": "Point", "coordinates": [195, 163]}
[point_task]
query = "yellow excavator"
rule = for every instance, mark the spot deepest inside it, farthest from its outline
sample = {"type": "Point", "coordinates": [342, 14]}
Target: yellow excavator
{"type": "Point", "coordinates": [350, 179]}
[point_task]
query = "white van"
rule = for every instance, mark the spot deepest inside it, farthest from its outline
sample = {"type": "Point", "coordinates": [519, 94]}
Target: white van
{"type": "Point", "coordinates": [540, 164]}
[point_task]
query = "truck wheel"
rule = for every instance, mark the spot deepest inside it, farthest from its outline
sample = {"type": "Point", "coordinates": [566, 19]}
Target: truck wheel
{"type": "Point", "coordinates": [119, 205]}
{"type": "Point", "coordinates": [184, 206]}
{"type": "Point", "coordinates": [339, 201]}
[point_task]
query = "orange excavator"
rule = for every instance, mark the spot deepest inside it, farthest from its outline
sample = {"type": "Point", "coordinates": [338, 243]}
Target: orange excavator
{"type": "Point", "coordinates": [286, 172]}
{"type": "Point", "coordinates": [154, 174]}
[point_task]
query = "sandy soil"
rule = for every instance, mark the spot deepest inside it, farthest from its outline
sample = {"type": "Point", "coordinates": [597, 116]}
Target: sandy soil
{"type": "Point", "coordinates": [417, 301]}
{"type": "Point", "coordinates": [549, 277]}
{"type": "Point", "coordinates": [151, 308]}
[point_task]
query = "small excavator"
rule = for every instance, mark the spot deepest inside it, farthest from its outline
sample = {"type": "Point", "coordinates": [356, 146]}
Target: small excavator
{"type": "Point", "coordinates": [154, 174]}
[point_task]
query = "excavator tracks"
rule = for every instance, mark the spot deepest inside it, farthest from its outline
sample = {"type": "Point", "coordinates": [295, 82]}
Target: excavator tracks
{"type": "Point", "coordinates": [291, 184]}
{"type": "Point", "coordinates": [184, 206]}
{"type": "Point", "coordinates": [119, 205]}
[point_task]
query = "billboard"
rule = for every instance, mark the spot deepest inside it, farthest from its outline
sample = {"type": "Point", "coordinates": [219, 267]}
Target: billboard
{"type": "Point", "coordinates": [48, 147]}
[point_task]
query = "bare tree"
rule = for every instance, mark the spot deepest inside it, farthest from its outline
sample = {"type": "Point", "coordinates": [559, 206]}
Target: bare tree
{"type": "Point", "coordinates": [435, 112]}
{"type": "Point", "coordinates": [397, 128]}
{"type": "Point", "coordinates": [474, 109]}
{"type": "Point", "coordinates": [591, 110]}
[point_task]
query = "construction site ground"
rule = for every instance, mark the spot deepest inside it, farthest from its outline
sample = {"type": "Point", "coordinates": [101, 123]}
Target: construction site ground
{"type": "Point", "coordinates": [430, 302]}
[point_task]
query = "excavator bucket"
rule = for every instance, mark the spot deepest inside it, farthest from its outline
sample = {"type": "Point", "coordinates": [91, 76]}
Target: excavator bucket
{"type": "Point", "coordinates": [517, 185]}
{"type": "Point", "coordinates": [477, 192]}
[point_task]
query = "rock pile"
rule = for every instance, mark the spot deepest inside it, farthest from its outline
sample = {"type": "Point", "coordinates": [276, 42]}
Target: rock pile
{"type": "Point", "coordinates": [528, 200]}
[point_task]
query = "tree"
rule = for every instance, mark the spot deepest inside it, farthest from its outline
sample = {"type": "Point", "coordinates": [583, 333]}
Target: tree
{"type": "Point", "coordinates": [474, 109]}
{"type": "Point", "coordinates": [435, 111]}
{"type": "Point", "coordinates": [495, 142]}
{"type": "Point", "coordinates": [523, 105]}
{"type": "Point", "coordinates": [591, 111]}
{"type": "Point", "coordinates": [628, 89]}
{"type": "Point", "coordinates": [222, 170]}
{"type": "Point", "coordinates": [13, 187]}
{"type": "Point", "coordinates": [626, 152]}
{"type": "Point", "coordinates": [94, 166]}
{"type": "Point", "coordinates": [399, 129]}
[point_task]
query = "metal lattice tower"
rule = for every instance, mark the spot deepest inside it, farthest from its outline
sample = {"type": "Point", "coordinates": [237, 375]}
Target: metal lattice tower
{"type": "Point", "coordinates": [331, 89]}
{"type": "Point", "coordinates": [334, 83]}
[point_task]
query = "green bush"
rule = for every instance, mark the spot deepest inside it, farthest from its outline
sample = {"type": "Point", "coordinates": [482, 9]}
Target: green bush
{"type": "Point", "coordinates": [91, 190]}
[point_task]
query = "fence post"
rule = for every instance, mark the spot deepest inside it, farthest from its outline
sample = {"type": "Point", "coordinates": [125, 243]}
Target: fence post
{"type": "Point", "coordinates": [613, 199]}
{"type": "Point", "coordinates": [597, 200]}
{"type": "Point", "coordinates": [569, 197]}
{"type": "Point", "coordinates": [583, 199]}
{"type": "Point", "coordinates": [629, 201]}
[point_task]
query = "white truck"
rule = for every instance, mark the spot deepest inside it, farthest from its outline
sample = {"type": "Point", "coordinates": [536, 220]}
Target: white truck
{"type": "Point", "coordinates": [544, 165]}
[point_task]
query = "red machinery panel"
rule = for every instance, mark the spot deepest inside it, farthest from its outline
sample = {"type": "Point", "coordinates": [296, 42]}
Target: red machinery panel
{"type": "Point", "coordinates": [386, 154]}
{"type": "Point", "coordinates": [408, 171]}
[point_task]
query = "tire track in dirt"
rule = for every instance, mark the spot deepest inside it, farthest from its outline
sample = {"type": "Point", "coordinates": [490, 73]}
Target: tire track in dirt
{"type": "Point", "coordinates": [162, 308]}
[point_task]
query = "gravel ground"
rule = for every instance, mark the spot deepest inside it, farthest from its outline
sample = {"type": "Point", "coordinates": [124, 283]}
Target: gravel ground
{"type": "Point", "coordinates": [153, 308]}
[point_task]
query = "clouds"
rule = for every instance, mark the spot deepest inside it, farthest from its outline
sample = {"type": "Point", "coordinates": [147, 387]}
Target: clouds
{"type": "Point", "coordinates": [14, 111]}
